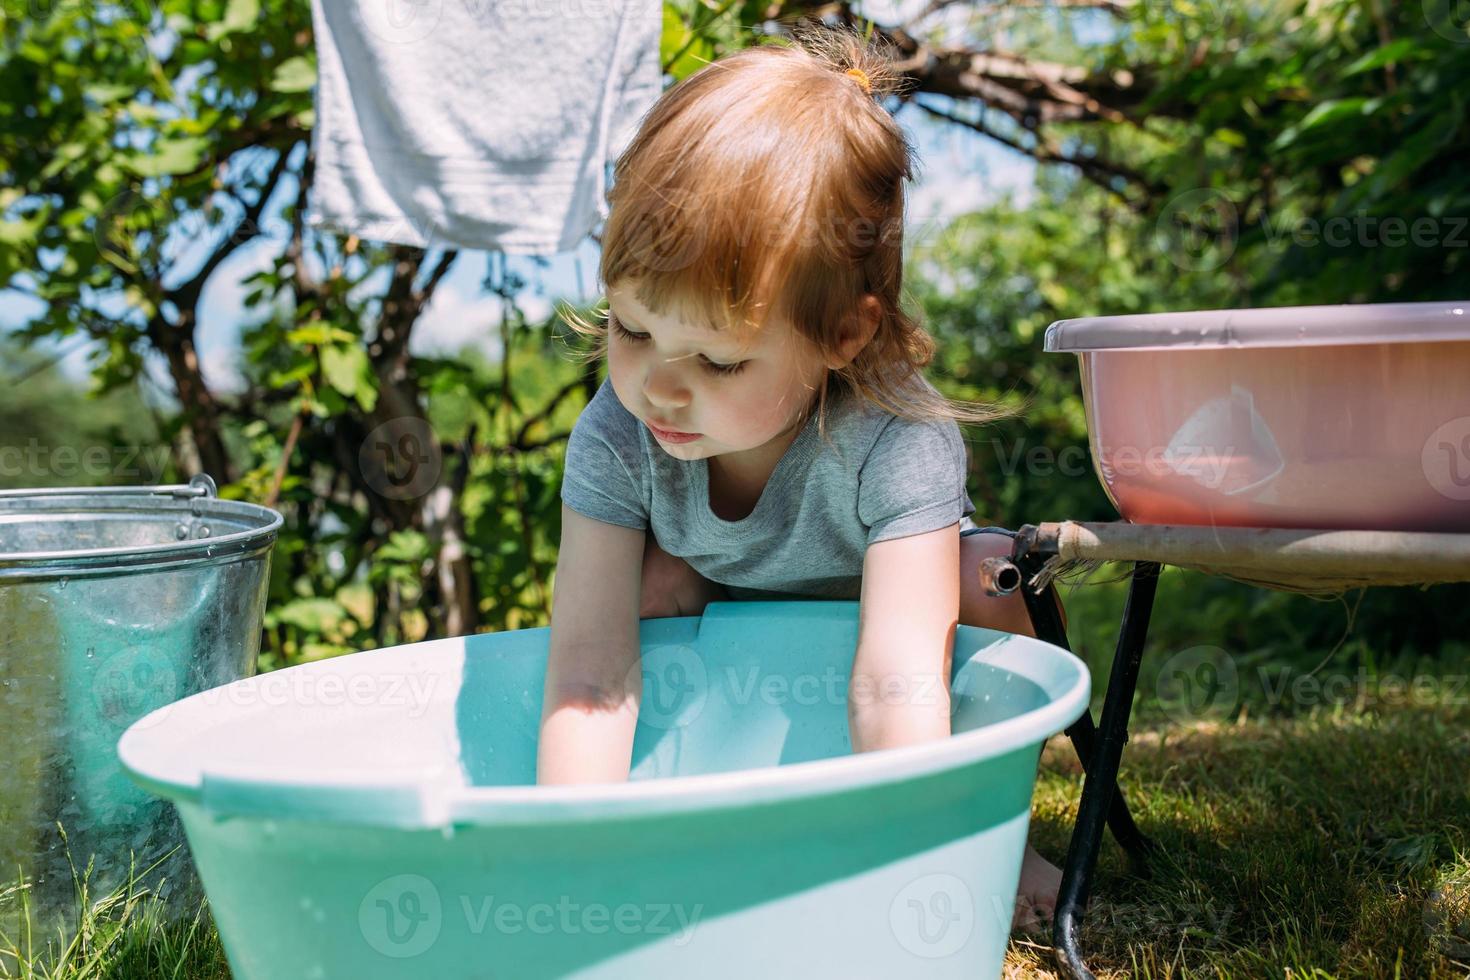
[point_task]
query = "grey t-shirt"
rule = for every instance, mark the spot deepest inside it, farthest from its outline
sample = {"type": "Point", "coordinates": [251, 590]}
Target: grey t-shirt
{"type": "Point", "coordinates": [881, 477]}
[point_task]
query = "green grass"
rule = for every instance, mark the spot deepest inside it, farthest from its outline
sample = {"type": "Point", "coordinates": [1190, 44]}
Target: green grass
{"type": "Point", "coordinates": [1320, 846]}
{"type": "Point", "coordinates": [1314, 820]}
{"type": "Point", "coordinates": [126, 935]}
{"type": "Point", "coordinates": [1313, 805]}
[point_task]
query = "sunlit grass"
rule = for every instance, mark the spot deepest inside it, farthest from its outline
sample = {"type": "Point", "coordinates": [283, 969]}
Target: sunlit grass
{"type": "Point", "coordinates": [1332, 844]}
{"type": "Point", "coordinates": [126, 935]}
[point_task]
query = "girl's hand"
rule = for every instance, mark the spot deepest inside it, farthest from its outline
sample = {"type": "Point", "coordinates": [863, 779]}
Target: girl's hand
{"type": "Point", "coordinates": [593, 673]}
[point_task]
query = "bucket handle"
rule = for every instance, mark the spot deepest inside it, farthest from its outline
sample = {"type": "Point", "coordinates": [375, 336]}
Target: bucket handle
{"type": "Point", "coordinates": [200, 485]}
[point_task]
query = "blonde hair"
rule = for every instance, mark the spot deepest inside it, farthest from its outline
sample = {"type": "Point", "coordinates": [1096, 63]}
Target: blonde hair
{"type": "Point", "coordinates": [769, 184]}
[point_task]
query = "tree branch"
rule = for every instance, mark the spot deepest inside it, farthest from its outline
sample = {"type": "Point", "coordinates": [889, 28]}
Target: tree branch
{"type": "Point", "coordinates": [1100, 172]}
{"type": "Point", "coordinates": [545, 414]}
{"type": "Point", "coordinates": [186, 295]}
{"type": "Point", "coordinates": [1032, 91]}
{"type": "Point", "coordinates": [423, 296]}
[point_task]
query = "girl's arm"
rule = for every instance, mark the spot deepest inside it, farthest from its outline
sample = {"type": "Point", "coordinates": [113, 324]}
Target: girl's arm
{"type": "Point", "coordinates": [899, 691]}
{"type": "Point", "coordinates": [593, 672]}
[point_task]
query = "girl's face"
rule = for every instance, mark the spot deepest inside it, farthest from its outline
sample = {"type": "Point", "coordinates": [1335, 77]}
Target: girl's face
{"type": "Point", "coordinates": [694, 379]}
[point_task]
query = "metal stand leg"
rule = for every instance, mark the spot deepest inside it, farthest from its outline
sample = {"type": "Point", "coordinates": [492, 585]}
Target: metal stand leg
{"type": "Point", "coordinates": [1098, 788]}
{"type": "Point", "coordinates": [1100, 751]}
{"type": "Point", "coordinates": [1138, 845]}
{"type": "Point", "coordinates": [1048, 625]}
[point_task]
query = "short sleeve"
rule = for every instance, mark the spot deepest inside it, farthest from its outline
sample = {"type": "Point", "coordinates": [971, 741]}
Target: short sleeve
{"type": "Point", "coordinates": [913, 480]}
{"type": "Point", "coordinates": [603, 474]}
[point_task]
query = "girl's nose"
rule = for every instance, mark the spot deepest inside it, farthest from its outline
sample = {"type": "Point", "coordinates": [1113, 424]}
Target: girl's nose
{"type": "Point", "coordinates": [663, 386]}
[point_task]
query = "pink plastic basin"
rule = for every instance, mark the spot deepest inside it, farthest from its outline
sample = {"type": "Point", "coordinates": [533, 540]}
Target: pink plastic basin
{"type": "Point", "coordinates": [1306, 416]}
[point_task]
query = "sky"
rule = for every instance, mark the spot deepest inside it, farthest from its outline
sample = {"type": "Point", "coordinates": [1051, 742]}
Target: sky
{"type": "Point", "coordinates": [958, 170]}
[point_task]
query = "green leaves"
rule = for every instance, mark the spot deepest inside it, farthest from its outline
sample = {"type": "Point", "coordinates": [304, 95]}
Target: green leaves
{"type": "Point", "coordinates": [405, 547]}
{"type": "Point", "coordinates": [170, 156]}
{"type": "Point", "coordinates": [681, 51]}
{"type": "Point", "coordinates": [105, 93]}
{"type": "Point", "coordinates": [1404, 49]}
{"type": "Point", "coordinates": [347, 369]}
{"type": "Point", "coordinates": [319, 334]}
{"type": "Point", "coordinates": [240, 15]}
{"type": "Point", "coordinates": [294, 75]}
{"type": "Point", "coordinates": [314, 615]}
{"type": "Point", "coordinates": [1324, 115]}
{"type": "Point", "coordinates": [23, 231]}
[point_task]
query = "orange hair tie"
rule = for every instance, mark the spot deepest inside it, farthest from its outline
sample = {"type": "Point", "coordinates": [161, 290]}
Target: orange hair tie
{"type": "Point", "coordinates": [862, 78]}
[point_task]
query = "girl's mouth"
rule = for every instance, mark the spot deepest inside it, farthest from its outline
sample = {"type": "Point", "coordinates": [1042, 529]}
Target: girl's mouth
{"type": "Point", "coordinates": [664, 435]}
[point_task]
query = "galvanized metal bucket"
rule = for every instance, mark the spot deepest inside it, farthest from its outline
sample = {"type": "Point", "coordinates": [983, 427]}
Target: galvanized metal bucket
{"type": "Point", "coordinates": [114, 601]}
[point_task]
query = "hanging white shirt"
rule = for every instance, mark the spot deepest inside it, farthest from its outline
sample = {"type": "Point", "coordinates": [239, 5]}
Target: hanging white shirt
{"type": "Point", "coordinates": [481, 124]}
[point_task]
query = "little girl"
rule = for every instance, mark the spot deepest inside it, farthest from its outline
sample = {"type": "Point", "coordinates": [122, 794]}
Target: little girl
{"type": "Point", "coordinates": [765, 430]}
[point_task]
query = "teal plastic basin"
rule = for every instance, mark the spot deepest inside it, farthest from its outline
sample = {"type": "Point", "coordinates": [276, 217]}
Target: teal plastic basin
{"type": "Point", "coordinates": [375, 815]}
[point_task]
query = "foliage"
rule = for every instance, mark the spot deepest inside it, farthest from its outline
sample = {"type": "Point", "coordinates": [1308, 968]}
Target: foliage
{"type": "Point", "coordinates": [153, 145]}
{"type": "Point", "coordinates": [52, 434]}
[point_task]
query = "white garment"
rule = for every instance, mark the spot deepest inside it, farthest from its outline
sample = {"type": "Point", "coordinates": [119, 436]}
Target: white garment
{"type": "Point", "coordinates": [484, 124]}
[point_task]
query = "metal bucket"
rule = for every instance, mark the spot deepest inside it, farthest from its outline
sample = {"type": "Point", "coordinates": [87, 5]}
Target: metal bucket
{"type": "Point", "coordinates": [114, 601]}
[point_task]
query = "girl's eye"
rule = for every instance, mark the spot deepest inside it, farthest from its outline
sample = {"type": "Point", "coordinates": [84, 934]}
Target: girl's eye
{"type": "Point", "coordinates": [724, 370]}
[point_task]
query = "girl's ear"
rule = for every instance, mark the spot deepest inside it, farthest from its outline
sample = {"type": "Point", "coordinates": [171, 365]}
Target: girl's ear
{"type": "Point", "coordinates": [857, 332]}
